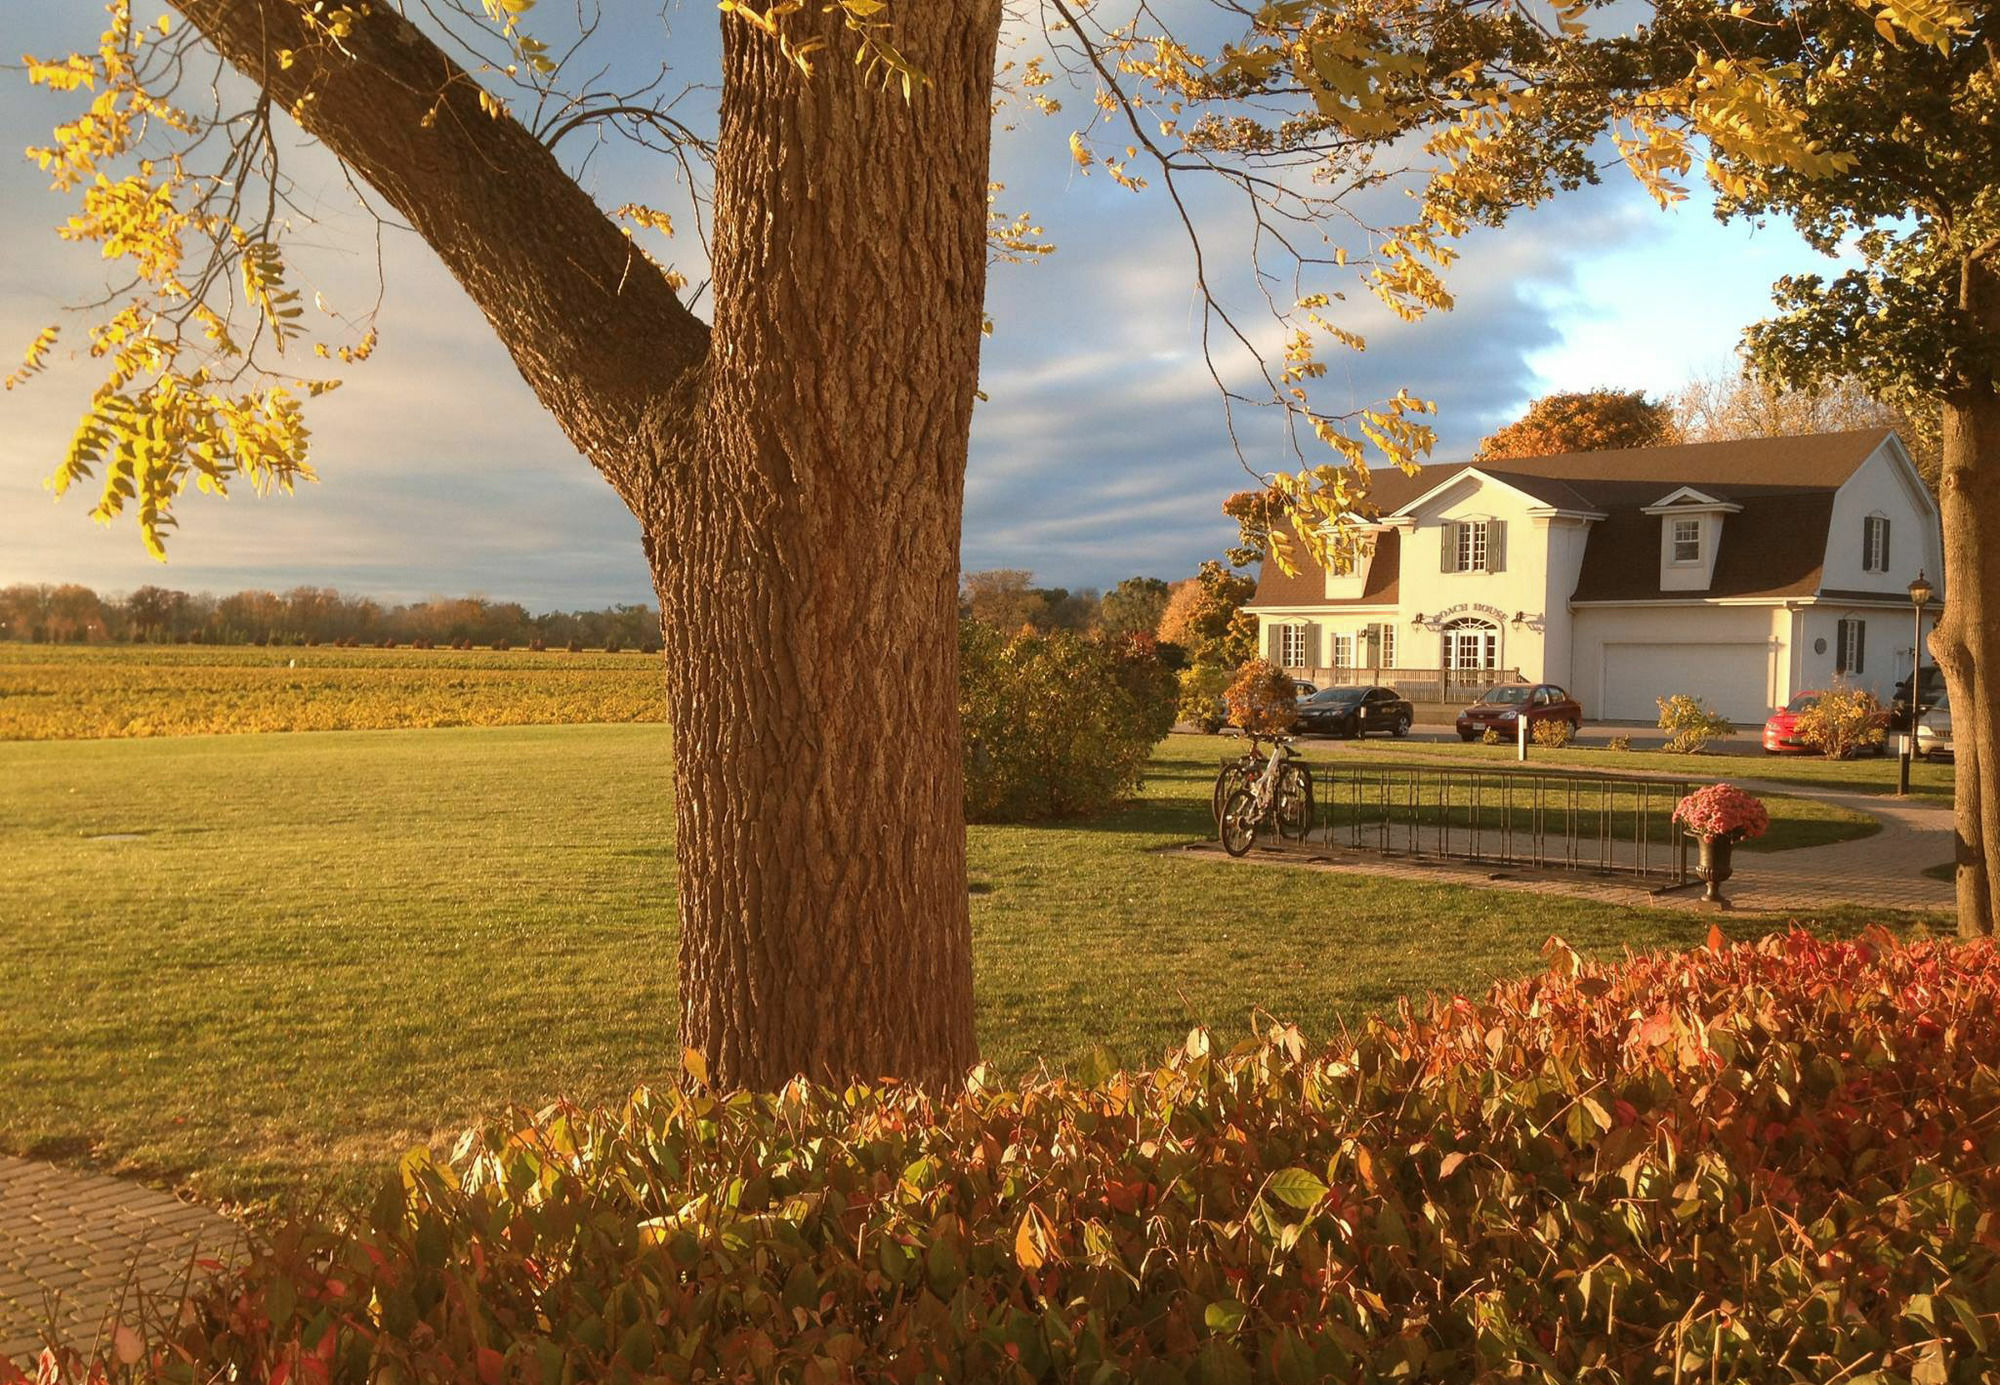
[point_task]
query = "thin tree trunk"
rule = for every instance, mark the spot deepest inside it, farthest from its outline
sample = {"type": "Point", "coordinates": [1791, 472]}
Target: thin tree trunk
{"type": "Point", "coordinates": [1968, 637]}
{"type": "Point", "coordinates": [807, 565]}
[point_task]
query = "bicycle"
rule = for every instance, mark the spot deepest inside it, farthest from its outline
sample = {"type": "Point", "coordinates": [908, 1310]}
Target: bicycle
{"type": "Point", "coordinates": [1244, 770]}
{"type": "Point", "coordinates": [1281, 795]}
{"type": "Point", "coordinates": [1240, 774]}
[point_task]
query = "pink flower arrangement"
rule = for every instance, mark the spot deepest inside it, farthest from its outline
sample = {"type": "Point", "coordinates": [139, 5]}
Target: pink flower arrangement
{"type": "Point", "coordinates": [1722, 810]}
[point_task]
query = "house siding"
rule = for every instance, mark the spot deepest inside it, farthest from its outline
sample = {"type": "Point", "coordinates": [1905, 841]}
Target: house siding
{"type": "Point", "coordinates": [1881, 485]}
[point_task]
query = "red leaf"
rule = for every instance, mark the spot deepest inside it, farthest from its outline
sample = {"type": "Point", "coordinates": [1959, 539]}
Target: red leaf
{"type": "Point", "coordinates": [491, 1365]}
{"type": "Point", "coordinates": [1658, 1029]}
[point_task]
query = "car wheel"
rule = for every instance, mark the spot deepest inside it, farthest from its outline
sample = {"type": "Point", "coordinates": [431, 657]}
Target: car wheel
{"type": "Point", "coordinates": [1465, 736]}
{"type": "Point", "coordinates": [1402, 728]}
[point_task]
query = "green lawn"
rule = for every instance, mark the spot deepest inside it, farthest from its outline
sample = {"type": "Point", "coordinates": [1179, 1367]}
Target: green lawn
{"type": "Point", "coordinates": [1872, 775]}
{"type": "Point", "coordinates": [251, 964]}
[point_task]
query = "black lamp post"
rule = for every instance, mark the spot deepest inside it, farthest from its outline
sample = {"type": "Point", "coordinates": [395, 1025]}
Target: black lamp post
{"type": "Point", "coordinates": [1920, 597]}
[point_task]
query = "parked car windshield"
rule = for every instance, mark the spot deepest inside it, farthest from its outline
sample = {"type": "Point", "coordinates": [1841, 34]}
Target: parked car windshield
{"type": "Point", "coordinates": [1506, 697]}
{"type": "Point", "coordinates": [1329, 696]}
{"type": "Point", "coordinates": [1804, 702]}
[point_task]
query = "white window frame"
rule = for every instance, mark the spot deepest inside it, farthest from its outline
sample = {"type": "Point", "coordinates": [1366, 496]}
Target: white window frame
{"type": "Point", "coordinates": [1343, 651]}
{"type": "Point", "coordinates": [1470, 541]}
{"type": "Point", "coordinates": [1387, 650]}
{"type": "Point", "coordinates": [1686, 540]}
{"type": "Point", "coordinates": [1875, 543]}
{"type": "Point", "coordinates": [1292, 645]}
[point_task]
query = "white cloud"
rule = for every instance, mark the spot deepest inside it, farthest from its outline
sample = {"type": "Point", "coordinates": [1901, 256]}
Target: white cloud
{"type": "Point", "coordinates": [1102, 452]}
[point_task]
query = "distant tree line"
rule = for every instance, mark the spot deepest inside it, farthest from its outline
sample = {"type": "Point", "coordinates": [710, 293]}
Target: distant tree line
{"type": "Point", "coordinates": [1008, 600]}
{"type": "Point", "coordinates": [69, 613]}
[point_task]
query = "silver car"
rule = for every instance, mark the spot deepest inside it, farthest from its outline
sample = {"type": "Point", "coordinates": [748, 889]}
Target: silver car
{"type": "Point", "coordinates": [1934, 733]}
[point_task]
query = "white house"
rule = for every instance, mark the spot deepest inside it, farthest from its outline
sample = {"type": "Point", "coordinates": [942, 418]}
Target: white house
{"type": "Point", "coordinates": [1740, 572]}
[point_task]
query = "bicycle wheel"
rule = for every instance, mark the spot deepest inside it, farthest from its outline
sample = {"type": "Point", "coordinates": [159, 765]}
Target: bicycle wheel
{"type": "Point", "coordinates": [1295, 803]}
{"type": "Point", "coordinates": [1239, 822]}
{"type": "Point", "coordinates": [1242, 773]}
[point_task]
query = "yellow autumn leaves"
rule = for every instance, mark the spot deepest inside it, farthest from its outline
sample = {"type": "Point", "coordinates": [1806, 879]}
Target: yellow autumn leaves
{"type": "Point", "coordinates": [176, 408]}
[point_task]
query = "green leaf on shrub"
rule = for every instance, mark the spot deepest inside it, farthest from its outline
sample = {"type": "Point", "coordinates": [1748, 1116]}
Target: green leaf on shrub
{"type": "Point", "coordinates": [1225, 1315]}
{"type": "Point", "coordinates": [636, 1350]}
{"type": "Point", "coordinates": [1301, 1188]}
{"type": "Point", "coordinates": [943, 1267]}
{"type": "Point", "coordinates": [802, 1288]}
{"type": "Point", "coordinates": [1221, 1364]}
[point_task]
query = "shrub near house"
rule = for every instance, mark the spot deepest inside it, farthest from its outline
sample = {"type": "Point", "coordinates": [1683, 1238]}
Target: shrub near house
{"type": "Point", "coordinates": [1692, 723]}
{"type": "Point", "coordinates": [1841, 722]}
{"type": "Point", "coordinates": [1056, 725]}
{"type": "Point", "coordinates": [1759, 1162]}
{"type": "Point", "coordinates": [1263, 699]}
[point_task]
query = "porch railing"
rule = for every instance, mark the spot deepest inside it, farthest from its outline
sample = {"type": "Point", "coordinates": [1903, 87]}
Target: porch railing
{"type": "Point", "coordinates": [1606, 824]}
{"type": "Point", "coordinates": [1417, 684]}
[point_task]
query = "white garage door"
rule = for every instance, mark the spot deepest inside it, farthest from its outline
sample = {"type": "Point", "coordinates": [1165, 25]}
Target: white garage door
{"type": "Point", "coordinates": [1734, 679]}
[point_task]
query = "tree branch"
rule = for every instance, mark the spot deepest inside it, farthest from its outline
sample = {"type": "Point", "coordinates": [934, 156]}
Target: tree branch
{"type": "Point", "coordinates": [590, 322]}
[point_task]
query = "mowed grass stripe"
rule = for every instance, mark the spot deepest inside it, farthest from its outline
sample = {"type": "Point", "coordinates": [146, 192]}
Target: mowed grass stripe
{"type": "Point", "coordinates": [313, 951]}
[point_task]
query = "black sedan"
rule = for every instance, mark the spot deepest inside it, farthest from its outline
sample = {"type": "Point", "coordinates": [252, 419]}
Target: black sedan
{"type": "Point", "coordinates": [1355, 711]}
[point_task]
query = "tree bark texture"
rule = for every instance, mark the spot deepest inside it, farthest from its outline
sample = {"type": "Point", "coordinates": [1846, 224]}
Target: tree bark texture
{"type": "Point", "coordinates": [797, 470]}
{"type": "Point", "coordinates": [807, 566]}
{"type": "Point", "coordinates": [1968, 637]}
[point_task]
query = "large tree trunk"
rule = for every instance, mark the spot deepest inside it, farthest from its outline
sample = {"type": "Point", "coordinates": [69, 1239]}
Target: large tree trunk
{"type": "Point", "coordinates": [1968, 637]}
{"type": "Point", "coordinates": [807, 565]}
{"type": "Point", "coordinates": [798, 474]}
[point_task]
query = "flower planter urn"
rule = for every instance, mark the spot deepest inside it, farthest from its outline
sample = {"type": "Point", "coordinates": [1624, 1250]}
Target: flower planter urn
{"type": "Point", "coordinates": [1713, 866]}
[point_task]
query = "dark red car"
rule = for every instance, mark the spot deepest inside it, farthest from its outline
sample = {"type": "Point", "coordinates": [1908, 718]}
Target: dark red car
{"type": "Point", "coordinates": [1502, 708]}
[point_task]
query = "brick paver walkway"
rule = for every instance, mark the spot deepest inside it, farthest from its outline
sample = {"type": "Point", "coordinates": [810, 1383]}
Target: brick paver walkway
{"type": "Point", "coordinates": [82, 1252]}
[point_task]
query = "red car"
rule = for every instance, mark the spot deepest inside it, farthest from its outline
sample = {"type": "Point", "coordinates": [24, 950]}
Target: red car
{"type": "Point", "coordinates": [1500, 709]}
{"type": "Point", "coordinates": [1781, 731]}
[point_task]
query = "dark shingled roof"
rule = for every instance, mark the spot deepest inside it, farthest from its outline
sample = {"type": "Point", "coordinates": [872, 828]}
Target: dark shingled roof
{"type": "Point", "coordinates": [1307, 586]}
{"type": "Point", "coordinates": [1773, 547]}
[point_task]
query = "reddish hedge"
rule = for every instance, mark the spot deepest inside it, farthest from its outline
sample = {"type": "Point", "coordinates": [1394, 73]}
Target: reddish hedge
{"type": "Point", "coordinates": [1764, 1162]}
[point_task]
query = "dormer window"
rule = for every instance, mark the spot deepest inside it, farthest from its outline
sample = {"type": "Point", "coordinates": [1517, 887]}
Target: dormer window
{"type": "Point", "coordinates": [1875, 544]}
{"type": "Point", "coordinates": [1687, 540]}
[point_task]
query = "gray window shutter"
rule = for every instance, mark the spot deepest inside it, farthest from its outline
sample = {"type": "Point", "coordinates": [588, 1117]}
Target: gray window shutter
{"type": "Point", "coordinates": [1860, 645]}
{"type": "Point", "coordinates": [1496, 545]}
{"type": "Point", "coordinates": [1450, 555]}
{"type": "Point", "coordinates": [1312, 646]}
{"type": "Point", "coordinates": [1885, 545]}
{"type": "Point", "coordinates": [1274, 647]}
{"type": "Point", "coordinates": [1841, 634]}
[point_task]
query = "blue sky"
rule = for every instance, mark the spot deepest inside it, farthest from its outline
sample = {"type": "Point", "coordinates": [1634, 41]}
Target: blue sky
{"type": "Point", "coordinates": [1100, 452]}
